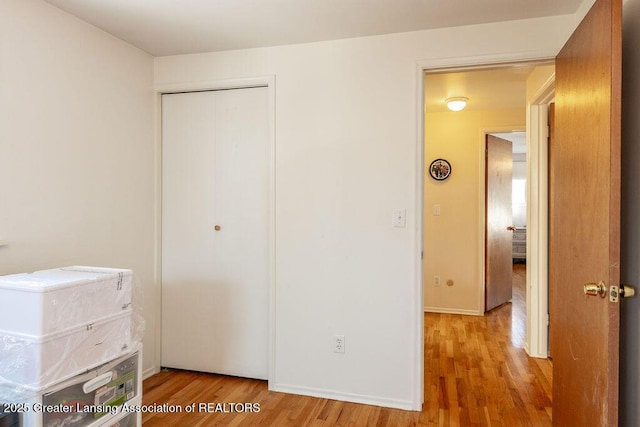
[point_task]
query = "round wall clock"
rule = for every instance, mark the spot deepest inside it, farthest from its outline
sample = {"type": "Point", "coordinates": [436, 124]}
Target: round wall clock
{"type": "Point", "coordinates": [440, 169]}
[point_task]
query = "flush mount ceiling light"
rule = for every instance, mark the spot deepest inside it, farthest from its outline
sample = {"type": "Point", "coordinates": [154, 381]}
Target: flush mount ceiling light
{"type": "Point", "coordinates": [456, 104]}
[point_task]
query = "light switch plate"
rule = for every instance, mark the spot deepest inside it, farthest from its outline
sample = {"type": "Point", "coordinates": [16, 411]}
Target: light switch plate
{"type": "Point", "coordinates": [400, 218]}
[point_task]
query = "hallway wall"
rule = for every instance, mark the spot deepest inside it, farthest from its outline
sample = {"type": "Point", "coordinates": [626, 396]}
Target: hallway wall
{"type": "Point", "coordinates": [453, 240]}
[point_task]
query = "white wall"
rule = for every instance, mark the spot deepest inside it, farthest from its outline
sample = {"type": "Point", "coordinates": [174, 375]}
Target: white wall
{"type": "Point", "coordinates": [76, 147]}
{"type": "Point", "coordinates": [519, 201]}
{"type": "Point", "coordinates": [346, 151]}
{"type": "Point", "coordinates": [454, 240]}
{"type": "Point", "coordinates": [630, 238]}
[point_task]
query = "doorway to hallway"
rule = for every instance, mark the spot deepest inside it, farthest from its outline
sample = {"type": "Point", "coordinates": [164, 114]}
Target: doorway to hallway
{"type": "Point", "coordinates": [499, 98]}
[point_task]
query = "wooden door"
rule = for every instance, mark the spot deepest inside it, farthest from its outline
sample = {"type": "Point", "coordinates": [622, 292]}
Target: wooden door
{"type": "Point", "coordinates": [499, 213]}
{"type": "Point", "coordinates": [215, 233]}
{"type": "Point", "coordinates": [586, 225]}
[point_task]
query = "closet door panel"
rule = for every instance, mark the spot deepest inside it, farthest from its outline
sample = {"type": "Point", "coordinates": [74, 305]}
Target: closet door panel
{"type": "Point", "coordinates": [187, 244]}
{"type": "Point", "coordinates": [241, 189]}
{"type": "Point", "coordinates": [215, 252]}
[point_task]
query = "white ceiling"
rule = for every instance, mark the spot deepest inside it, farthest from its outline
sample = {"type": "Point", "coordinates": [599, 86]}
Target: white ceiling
{"type": "Point", "coordinates": [487, 89]}
{"type": "Point", "coordinates": [170, 27]}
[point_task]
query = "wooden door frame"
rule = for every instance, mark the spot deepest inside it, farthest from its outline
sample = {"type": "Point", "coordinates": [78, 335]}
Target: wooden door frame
{"type": "Point", "coordinates": [244, 83]}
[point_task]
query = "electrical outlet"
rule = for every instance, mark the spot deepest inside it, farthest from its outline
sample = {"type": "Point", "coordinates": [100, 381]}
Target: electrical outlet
{"type": "Point", "coordinates": [436, 280]}
{"type": "Point", "coordinates": [338, 343]}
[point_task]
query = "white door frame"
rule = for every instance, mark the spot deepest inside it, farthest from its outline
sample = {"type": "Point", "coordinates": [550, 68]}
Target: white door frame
{"type": "Point", "coordinates": [262, 81]}
{"type": "Point", "coordinates": [453, 64]}
{"type": "Point", "coordinates": [538, 220]}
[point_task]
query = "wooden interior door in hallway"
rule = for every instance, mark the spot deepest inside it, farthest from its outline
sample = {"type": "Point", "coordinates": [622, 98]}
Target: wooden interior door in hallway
{"type": "Point", "coordinates": [498, 237]}
{"type": "Point", "coordinates": [215, 231]}
{"type": "Point", "coordinates": [585, 233]}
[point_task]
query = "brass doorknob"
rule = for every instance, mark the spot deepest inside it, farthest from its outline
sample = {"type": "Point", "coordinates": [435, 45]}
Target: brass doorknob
{"type": "Point", "coordinates": [217, 227]}
{"type": "Point", "coordinates": [594, 289]}
{"type": "Point", "coordinates": [511, 228]}
{"type": "Point", "coordinates": [622, 291]}
{"type": "Point", "coordinates": [627, 291]}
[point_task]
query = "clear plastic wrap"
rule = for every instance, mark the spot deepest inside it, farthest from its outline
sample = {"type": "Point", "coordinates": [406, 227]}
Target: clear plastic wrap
{"type": "Point", "coordinates": [56, 324]}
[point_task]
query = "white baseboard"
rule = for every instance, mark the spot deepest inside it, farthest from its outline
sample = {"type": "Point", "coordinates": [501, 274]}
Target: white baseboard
{"type": "Point", "coordinates": [327, 394]}
{"type": "Point", "coordinates": [445, 310]}
{"type": "Point", "coordinates": [536, 355]}
{"type": "Point", "coordinates": [149, 372]}
{"type": "Point", "coordinates": [346, 397]}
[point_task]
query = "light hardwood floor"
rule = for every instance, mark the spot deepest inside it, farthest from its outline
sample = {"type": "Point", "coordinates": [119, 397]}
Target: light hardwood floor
{"type": "Point", "coordinates": [476, 374]}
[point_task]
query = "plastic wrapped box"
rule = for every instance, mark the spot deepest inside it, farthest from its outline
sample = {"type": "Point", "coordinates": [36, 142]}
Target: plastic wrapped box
{"type": "Point", "coordinates": [57, 323]}
{"type": "Point", "coordinates": [37, 362]}
{"type": "Point", "coordinates": [49, 301]}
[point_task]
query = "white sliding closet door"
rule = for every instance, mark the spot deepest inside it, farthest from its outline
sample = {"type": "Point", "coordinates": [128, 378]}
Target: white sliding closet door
{"type": "Point", "coordinates": [215, 231]}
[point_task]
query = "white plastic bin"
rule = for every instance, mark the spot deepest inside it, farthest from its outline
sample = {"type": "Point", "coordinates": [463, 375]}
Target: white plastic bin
{"type": "Point", "coordinates": [92, 399]}
{"type": "Point", "coordinates": [49, 301]}
{"type": "Point", "coordinates": [37, 362]}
